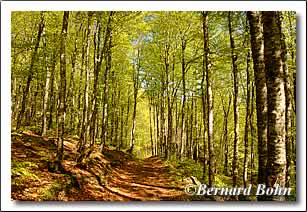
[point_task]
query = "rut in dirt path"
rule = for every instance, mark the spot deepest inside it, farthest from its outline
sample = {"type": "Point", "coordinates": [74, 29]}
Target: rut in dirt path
{"type": "Point", "coordinates": [144, 180]}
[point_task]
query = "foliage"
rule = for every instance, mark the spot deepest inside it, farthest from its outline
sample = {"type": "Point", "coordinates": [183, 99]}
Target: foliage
{"type": "Point", "coordinates": [21, 171]}
{"type": "Point", "coordinates": [185, 168]}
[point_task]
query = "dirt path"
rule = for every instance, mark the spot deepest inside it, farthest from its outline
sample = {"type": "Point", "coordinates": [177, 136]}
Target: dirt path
{"type": "Point", "coordinates": [144, 180]}
{"type": "Point", "coordinates": [140, 180]}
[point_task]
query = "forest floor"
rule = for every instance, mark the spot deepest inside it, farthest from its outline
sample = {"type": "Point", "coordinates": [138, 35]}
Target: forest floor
{"type": "Point", "coordinates": [111, 176]}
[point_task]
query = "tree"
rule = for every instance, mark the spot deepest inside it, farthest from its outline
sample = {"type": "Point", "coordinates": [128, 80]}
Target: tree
{"type": "Point", "coordinates": [209, 108]}
{"type": "Point", "coordinates": [257, 46]}
{"type": "Point", "coordinates": [31, 72]}
{"type": "Point", "coordinates": [62, 94]}
{"type": "Point", "coordinates": [136, 75]}
{"type": "Point", "coordinates": [235, 104]}
{"type": "Point", "coordinates": [247, 121]}
{"type": "Point", "coordinates": [276, 165]}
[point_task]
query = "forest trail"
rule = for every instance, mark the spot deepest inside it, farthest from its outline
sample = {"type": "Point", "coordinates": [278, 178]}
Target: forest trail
{"type": "Point", "coordinates": [112, 176]}
{"type": "Point", "coordinates": [146, 179]}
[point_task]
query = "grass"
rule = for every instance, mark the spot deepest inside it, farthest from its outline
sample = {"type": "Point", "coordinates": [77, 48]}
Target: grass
{"type": "Point", "coordinates": [52, 192]}
{"type": "Point", "coordinates": [22, 170]}
{"type": "Point", "coordinates": [185, 168]}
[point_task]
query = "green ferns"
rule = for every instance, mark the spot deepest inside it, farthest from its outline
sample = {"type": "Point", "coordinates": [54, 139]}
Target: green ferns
{"type": "Point", "coordinates": [21, 171]}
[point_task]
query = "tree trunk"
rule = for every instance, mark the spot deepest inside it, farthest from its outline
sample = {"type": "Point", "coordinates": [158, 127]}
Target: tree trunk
{"type": "Point", "coordinates": [121, 127]}
{"type": "Point", "coordinates": [52, 97]}
{"type": "Point", "coordinates": [98, 56]}
{"type": "Point", "coordinates": [31, 72]}
{"type": "Point", "coordinates": [252, 130]}
{"type": "Point", "coordinates": [235, 163]}
{"type": "Point", "coordinates": [183, 46]}
{"type": "Point", "coordinates": [209, 96]}
{"type": "Point", "coordinates": [62, 94]}
{"type": "Point", "coordinates": [127, 120]}
{"type": "Point", "coordinates": [150, 127]}
{"type": "Point", "coordinates": [204, 20]}
{"type": "Point", "coordinates": [276, 165]}
{"type": "Point", "coordinates": [288, 108]}
{"type": "Point", "coordinates": [225, 136]}
{"type": "Point", "coordinates": [104, 127]}
{"type": "Point", "coordinates": [70, 95]}
{"type": "Point", "coordinates": [46, 90]}
{"type": "Point", "coordinates": [257, 44]}
{"type": "Point", "coordinates": [135, 94]}
{"type": "Point", "coordinates": [247, 122]}
{"type": "Point", "coordinates": [84, 123]}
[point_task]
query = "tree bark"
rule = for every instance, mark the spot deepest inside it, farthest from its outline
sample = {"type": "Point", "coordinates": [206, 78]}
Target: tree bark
{"type": "Point", "coordinates": [108, 36]}
{"type": "Point", "coordinates": [209, 96]}
{"type": "Point", "coordinates": [247, 122]}
{"type": "Point", "coordinates": [150, 127]}
{"type": "Point", "coordinates": [84, 123]}
{"type": "Point", "coordinates": [183, 66]}
{"type": "Point", "coordinates": [288, 108]}
{"type": "Point", "coordinates": [235, 165]}
{"type": "Point", "coordinates": [257, 44]}
{"type": "Point", "coordinates": [276, 165]}
{"type": "Point", "coordinates": [135, 94]}
{"type": "Point", "coordinates": [204, 20]}
{"type": "Point", "coordinates": [46, 90]}
{"type": "Point", "coordinates": [225, 136]}
{"type": "Point", "coordinates": [70, 94]}
{"type": "Point", "coordinates": [252, 130]}
{"type": "Point", "coordinates": [62, 94]}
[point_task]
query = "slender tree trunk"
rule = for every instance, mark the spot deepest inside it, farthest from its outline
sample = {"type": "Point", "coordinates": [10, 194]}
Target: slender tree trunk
{"type": "Point", "coordinates": [108, 37]}
{"type": "Point", "coordinates": [169, 107]}
{"type": "Point", "coordinates": [276, 105]}
{"type": "Point", "coordinates": [52, 97]}
{"type": "Point", "coordinates": [80, 118]}
{"type": "Point", "coordinates": [70, 94]}
{"type": "Point", "coordinates": [31, 72]}
{"type": "Point", "coordinates": [190, 149]}
{"type": "Point", "coordinates": [121, 127]}
{"type": "Point", "coordinates": [257, 44]}
{"type": "Point", "coordinates": [288, 108]}
{"type": "Point", "coordinates": [116, 126]}
{"type": "Point", "coordinates": [158, 129]}
{"type": "Point", "coordinates": [150, 127]}
{"type": "Point", "coordinates": [84, 123]}
{"type": "Point", "coordinates": [98, 56]}
{"type": "Point", "coordinates": [209, 96]}
{"type": "Point", "coordinates": [127, 120]}
{"type": "Point", "coordinates": [204, 21]}
{"type": "Point", "coordinates": [46, 90]}
{"type": "Point", "coordinates": [235, 164]}
{"type": "Point", "coordinates": [225, 136]}
{"type": "Point", "coordinates": [251, 124]}
{"type": "Point", "coordinates": [62, 94]}
{"type": "Point", "coordinates": [135, 94]}
{"type": "Point", "coordinates": [183, 66]}
{"type": "Point", "coordinates": [247, 122]}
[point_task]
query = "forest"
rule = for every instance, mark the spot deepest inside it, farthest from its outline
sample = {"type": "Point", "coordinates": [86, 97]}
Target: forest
{"type": "Point", "coordinates": [136, 105]}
